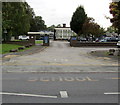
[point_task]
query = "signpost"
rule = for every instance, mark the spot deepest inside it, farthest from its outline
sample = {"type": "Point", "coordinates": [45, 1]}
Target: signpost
{"type": "Point", "coordinates": [73, 40]}
{"type": "Point", "coordinates": [46, 40]}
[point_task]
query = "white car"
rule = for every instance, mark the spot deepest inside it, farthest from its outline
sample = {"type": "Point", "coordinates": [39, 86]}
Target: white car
{"type": "Point", "coordinates": [118, 44]}
{"type": "Point", "coordinates": [23, 37]}
{"type": "Point", "coordinates": [102, 40]}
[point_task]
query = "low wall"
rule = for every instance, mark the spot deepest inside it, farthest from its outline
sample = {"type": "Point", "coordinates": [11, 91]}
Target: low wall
{"type": "Point", "coordinates": [23, 43]}
{"type": "Point", "coordinates": [93, 44]}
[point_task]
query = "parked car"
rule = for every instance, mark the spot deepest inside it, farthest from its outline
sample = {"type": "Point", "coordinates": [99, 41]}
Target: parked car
{"type": "Point", "coordinates": [97, 40]}
{"type": "Point", "coordinates": [109, 39]}
{"type": "Point", "coordinates": [41, 38]}
{"type": "Point", "coordinates": [23, 37]}
{"type": "Point", "coordinates": [103, 40]}
{"type": "Point", "coordinates": [83, 39]}
{"type": "Point", "coordinates": [118, 44]}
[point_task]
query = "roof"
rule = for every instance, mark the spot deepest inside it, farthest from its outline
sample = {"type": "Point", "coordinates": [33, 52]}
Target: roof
{"type": "Point", "coordinates": [39, 33]}
{"type": "Point", "coordinates": [62, 28]}
{"type": "Point", "coordinates": [33, 33]}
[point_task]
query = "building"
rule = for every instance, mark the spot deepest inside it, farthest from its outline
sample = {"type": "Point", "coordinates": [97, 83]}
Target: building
{"type": "Point", "coordinates": [42, 33]}
{"type": "Point", "coordinates": [63, 33]}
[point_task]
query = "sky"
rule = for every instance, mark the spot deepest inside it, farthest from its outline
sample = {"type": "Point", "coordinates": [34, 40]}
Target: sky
{"type": "Point", "coordinates": [61, 11]}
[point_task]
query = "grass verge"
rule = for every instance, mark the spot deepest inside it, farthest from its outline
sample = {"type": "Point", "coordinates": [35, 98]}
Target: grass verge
{"type": "Point", "coordinates": [5, 48]}
{"type": "Point", "coordinates": [39, 41]}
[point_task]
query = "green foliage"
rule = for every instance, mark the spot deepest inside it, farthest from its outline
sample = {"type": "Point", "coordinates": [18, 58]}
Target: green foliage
{"type": "Point", "coordinates": [111, 29]}
{"type": "Point", "coordinates": [59, 25]}
{"type": "Point", "coordinates": [39, 41]}
{"type": "Point", "coordinates": [51, 28]}
{"type": "Point", "coordinates": [90, 27]}
{"type": "Point", "coordinates": [83, 25]}
{"type": "Point", "coordinates": [7, 47]}
{"type": "Point", "coordinates": [37, 24]}
{"type": "Point", "coordinates": [78, 19]}
{"type": "Point", "coordinates": [0, 22]}
{"type": "Point", "coordinates": [16, 18]}
{"type": "Point", "coordinates": [115, 11]}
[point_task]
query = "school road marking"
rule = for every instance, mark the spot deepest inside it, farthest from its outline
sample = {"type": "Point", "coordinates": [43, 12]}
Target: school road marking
{"type": "Point", "coordinates": [63, 94]}
{"type": "Point", "coordinates": [112, 93]}
{"type": "Point", "coordinates": [27, 95]}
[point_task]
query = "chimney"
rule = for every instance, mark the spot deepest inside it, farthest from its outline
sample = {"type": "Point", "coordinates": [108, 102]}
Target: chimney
{"type": "Point", "coordinates": [64, 25]}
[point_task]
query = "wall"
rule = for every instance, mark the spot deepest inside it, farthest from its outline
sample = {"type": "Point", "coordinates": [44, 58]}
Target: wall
{"type": "Point", "coordinates": [23, 43]}
{"type": "Point", "coordinates": [88, 44]}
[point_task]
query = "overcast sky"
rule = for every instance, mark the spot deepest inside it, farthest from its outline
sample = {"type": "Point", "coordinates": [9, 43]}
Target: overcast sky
{"type": "Point", "coordinates": [60, 11]}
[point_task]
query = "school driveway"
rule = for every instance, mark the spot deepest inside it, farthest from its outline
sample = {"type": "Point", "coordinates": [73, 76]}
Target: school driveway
{"type": "Point", "coordinates": [60, 57]}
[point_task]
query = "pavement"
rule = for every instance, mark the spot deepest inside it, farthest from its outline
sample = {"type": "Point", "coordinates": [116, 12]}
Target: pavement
{"type": "Point", "coordinates": [32, 50]}
{"type": "Point", "coordinates": [105, 54]}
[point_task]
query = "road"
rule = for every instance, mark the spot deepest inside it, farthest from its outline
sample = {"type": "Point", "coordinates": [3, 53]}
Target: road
{"type": "Point", "coordinates": [60, 74]}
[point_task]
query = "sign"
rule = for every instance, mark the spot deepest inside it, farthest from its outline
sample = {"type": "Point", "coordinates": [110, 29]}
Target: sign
{"type": "Point", "coordinates": [46, 39]}
{"type": "Point", "coordinates": [73, 38]}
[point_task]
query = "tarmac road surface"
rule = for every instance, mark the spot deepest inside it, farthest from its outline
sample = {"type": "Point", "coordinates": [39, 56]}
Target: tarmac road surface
{"type": "Point", "coordinates": [61, 74]}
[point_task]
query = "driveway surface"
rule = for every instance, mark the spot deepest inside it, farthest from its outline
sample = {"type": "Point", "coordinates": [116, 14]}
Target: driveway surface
{"type": "Point", "coordinates": [60, 74]}
{"type": "Point", "coordinates": [60, 57]}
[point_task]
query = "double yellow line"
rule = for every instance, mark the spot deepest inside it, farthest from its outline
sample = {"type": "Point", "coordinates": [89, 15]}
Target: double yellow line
{"type": "Point", "coordinates": [52, 64]}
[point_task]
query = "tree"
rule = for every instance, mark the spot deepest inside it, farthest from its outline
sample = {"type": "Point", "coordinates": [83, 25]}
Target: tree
{"type": "Point", "coordinates": [115, 11]}
{"type": "Point", "coordinates": [92, 28]}
{"type": "Point", "coordinates": [37, 24]}
{"type": "Point", "coordinates": [59, 25]}
{"type": "Point", "coordinates": [0, 22]}
{"type": "Point", "coordinates": [111, 29]}
{"type": "Point", "coordinates": [51, 28]}
{"type": "Point", "coordinates": [78, 19]}
{"type": "Point", "coordinates": [16, 18]}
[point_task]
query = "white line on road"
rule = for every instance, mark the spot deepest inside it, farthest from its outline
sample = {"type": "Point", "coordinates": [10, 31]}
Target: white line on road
{"type": "Point", "coordinates": [63, 94]}
{"type": "Point", "coordinates": [112, 93]}
{"type": "Point", "coordinates": [28, 95]}
{"type": "Point", "coordinates": [27, 71]}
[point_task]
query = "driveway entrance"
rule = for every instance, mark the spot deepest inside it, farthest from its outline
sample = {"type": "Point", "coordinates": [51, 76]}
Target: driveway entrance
{"type": "Point", "coordinates": [60, 57]}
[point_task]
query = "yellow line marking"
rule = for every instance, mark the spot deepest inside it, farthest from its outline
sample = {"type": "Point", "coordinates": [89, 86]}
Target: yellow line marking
{"type": "Point", "coordinates": [61, 64]}
{"type": "Point", "coordinates": [115, 78]}
{"type": "Point", "coordinates": [10, 56]}
{"type": "Point", "coordinates": [61, 71]}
